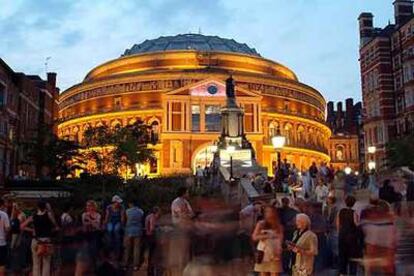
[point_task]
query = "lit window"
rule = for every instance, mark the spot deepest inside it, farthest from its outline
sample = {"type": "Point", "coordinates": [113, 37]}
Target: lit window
{"type": "Point", "coordinates": [195, 118]}
{"type": "Point", "coordinates": [213, 118]}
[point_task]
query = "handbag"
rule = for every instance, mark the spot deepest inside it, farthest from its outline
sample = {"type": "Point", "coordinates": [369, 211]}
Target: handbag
{"type": "Point", "coordinates": [44, 249]}
{"type": "Point", "coordinates": [258, 256]}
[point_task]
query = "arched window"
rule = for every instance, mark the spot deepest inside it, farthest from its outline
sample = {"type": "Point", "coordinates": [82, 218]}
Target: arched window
{"type": "Point", "coordinates": [301, 134]}
{"type": "Point", "coordinates": [155, 131]}
{"type": "Point", "coordinates": [339, 153]}
{"type": "Point", "coordinates": [288, 132]}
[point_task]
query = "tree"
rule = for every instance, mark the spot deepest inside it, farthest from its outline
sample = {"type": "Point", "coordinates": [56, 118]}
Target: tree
{"type": "Point", "coordinates": [118, 147]}
{"type": "Point", "coordinates": [60, 156]}
{"type": "Point", "coordinates": [400, 152]}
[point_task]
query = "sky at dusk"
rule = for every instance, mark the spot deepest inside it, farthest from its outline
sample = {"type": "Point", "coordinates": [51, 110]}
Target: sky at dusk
{"type": "Point", "coordinates": [318, 39]}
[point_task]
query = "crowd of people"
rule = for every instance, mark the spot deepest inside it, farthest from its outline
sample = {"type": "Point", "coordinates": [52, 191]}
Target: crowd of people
{"type": "Point", "coordinates": [99, 241]}
{"type": "Point", "coordinates": [306, 228]}
{"type": "Point", "coordinates": [342, 233]}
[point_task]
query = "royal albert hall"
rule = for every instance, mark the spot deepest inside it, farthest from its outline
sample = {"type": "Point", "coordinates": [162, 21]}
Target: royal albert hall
{"type": "Point", "coordinates": [176, 84]}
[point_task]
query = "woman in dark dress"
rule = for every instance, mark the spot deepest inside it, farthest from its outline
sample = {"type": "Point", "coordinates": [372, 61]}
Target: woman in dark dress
{"type": "Point", "coordinates": [349, 238]}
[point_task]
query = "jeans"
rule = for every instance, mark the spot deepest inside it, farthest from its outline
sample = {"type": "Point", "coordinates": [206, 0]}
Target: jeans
{"type": "Point", "coordinates": [41, 264]}
{"type": "Point", "coordinates": [114, 235]}
{"type": "Point", "coordinates": [132, 244]}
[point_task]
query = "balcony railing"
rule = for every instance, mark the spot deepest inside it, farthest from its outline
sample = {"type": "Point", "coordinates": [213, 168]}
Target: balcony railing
{"type": "Point", "coordinates": [107, 110]}
{"type": "Point", "coordinates": [293, 113]}
{"type": "Point", "coordinates": [298, 144]}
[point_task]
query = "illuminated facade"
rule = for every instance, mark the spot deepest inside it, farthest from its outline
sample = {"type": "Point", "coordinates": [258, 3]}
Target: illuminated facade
{"type": "Point", "coordinates": [176, 84]}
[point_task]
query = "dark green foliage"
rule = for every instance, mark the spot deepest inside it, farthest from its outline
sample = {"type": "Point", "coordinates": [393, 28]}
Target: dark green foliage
{"type": "Point", "coordinates": [147, 192]}
{"type": "Point", "coordinates": [400, 152]}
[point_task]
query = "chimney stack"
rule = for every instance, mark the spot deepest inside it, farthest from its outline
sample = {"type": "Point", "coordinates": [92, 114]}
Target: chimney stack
{"type": "Point", "coordinates": [51, 79]}
{"type": "Point", "coordinates": [366, 27]}
{"type": "Point", "coordinates": [403, 11]}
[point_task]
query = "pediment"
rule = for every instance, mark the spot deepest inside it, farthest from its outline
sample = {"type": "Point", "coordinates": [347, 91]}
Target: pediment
{"type": "Point", "coordinates": [209, 88]}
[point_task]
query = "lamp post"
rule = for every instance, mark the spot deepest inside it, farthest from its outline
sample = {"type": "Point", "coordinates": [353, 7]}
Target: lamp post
{"type": "Point", "coordinates": [372, 164]}
{"type": "Point", "coordinates": [230, 150]}
{"type": "Point", "coordinates": [278, 142]}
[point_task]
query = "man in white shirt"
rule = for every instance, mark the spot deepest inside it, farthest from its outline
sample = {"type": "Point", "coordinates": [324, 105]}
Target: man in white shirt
{"type": "Point", "coordinates": [321, 192]}
{"type": "Point", "coordinates": [181, 210]}
{"type": "Point", "coordinates": [4, 228]}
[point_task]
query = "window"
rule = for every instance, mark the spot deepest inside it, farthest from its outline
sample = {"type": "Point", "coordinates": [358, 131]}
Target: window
{"type": "Point", "coordinates": [2, 95]}
{"type": "Point", "coordinates": [248, 117]}
{"type": "Point", "coordinates": [195, 118]}
{"type": "Point", "coordinates": [213, 118]}
{"type": "Point", "coordinates": [117, 103]}
{"type": "Point", "coordinates": [176, 116]}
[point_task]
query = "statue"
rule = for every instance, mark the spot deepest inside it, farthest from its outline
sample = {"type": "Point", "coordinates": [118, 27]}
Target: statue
{"type": "Point", "coordinates": [230, 87]}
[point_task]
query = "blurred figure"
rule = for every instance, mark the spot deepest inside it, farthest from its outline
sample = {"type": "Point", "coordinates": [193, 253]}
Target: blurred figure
{"type": "Point", "coordinates": [269, 235]}
{"type": "Point", "coordinates": [249, 215]}
{"type": "Point", "coordinates": [348, 234]}
{"type": "Point", "coordinates": [92, 226]}
{"type": "Point", "coordinates": [199, 175]}
{"type": "Point", "coordinates": [182, 216]}
{"type": "Point", "coordinates": [133, 234]}
{"type": "Point", "coordinates": [378, 222]}
{"type": "Point", "coordinates": [388, 194]}
{"type": "Point", "coordinates": [287, 217]}
{"type": "Point", "coordinates": [410, 198]}
{"type": "Point", "coordinates": [42, 247]}
{"type": "Point", "coordinates": [304, 247]}
{"type": "Point", "coordinates": [321, 192]}
{"type": "Point", "coordinates": [4, 229]}
{"type": "Point", "coordinates": [330, 213]}
{"type": "Point", "coordinates": [151, 222]}
{"type": "Point", "coordinates": [17, 218]}
{"type": "Point", "coordinates": [313, 173]}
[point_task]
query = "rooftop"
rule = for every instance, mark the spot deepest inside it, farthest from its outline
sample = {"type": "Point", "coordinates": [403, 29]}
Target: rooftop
{"type": "Point", "coordinates": [191, 42]}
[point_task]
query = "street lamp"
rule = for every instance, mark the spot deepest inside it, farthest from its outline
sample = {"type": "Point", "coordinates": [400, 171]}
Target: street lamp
{"type": "Point", "coordinates": [278, 142]}
{"type": "Point", "coordinates": [348, 170]}
{"type": "Point", "coordinates": [213, 148]}
{"type": "Point", "coordinates": [372, 149]}
{"type": "Point", "coordinates": [230, 150]}
{"type": "Point", "coordinates": [371, 165]}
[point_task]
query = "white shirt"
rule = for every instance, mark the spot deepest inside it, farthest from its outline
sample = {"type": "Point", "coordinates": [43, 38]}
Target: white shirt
{"type": "Point", "coordinates": [4, 227]}
{"type": "Point", "coordinates": [321, 192]}
{"type": "Point", "coordinates": [181, 210]}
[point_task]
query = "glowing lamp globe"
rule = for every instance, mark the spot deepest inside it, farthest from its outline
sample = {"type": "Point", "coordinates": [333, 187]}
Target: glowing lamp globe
{"type": "Point", "coordinates": [347, 170]}
{"type": "Point", "coordinates": [278, 141]}
{"type": "Point", "coordinates": [372, 149]}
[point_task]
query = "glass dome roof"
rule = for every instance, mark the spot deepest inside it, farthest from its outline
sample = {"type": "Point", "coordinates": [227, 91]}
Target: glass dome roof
{"type": "Point", "coordinates": [197, 42]}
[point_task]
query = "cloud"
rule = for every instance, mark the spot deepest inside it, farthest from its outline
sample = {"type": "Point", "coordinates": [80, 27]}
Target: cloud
{"type": "Point", "coordinates": [318, 39]}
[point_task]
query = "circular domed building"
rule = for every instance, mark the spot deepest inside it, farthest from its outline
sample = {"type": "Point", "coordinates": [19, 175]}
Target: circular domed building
{"type": "Point", "coordinates": [176, 85]}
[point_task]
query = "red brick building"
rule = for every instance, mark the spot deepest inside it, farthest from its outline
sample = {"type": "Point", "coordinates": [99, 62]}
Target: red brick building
{"type": "Point", "coordinates": [387, 77]}
{"type": "Point", "coordinates": [26, 104]}
{"type": "Point", "coordinates": [346, 145]}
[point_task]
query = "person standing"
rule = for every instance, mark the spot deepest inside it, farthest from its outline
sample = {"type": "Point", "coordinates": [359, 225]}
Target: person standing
{"type": "Point", "coordinates": [199, 175]}
{"type": "Point", "coordinates": [313, 173]}
{"type": "Point", "coordinates": [304, 247]}
{"type": "Point", "coordinates": [182, 216]}
{"type": "Point", "coordinates": [151, 222]}
{"type": "Point", "coordinates": [92, 227]}
{"type": "Point", "coordinates": [388, 194]}
{"type": "Point", "coordinates": [133, 235]}
{"type": "Point", "coordinates": [4, 229]}
{"type": "Point", "coordinates": [348, 234]}
{"type": "Point", "coordinates": [114, 216]}
{"type": "Point", "coordinates": [42, 248]}
{"type": "Point", "coordinates": [321, 192]}
{"type": "Point", "coordinates": [269, 235]}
